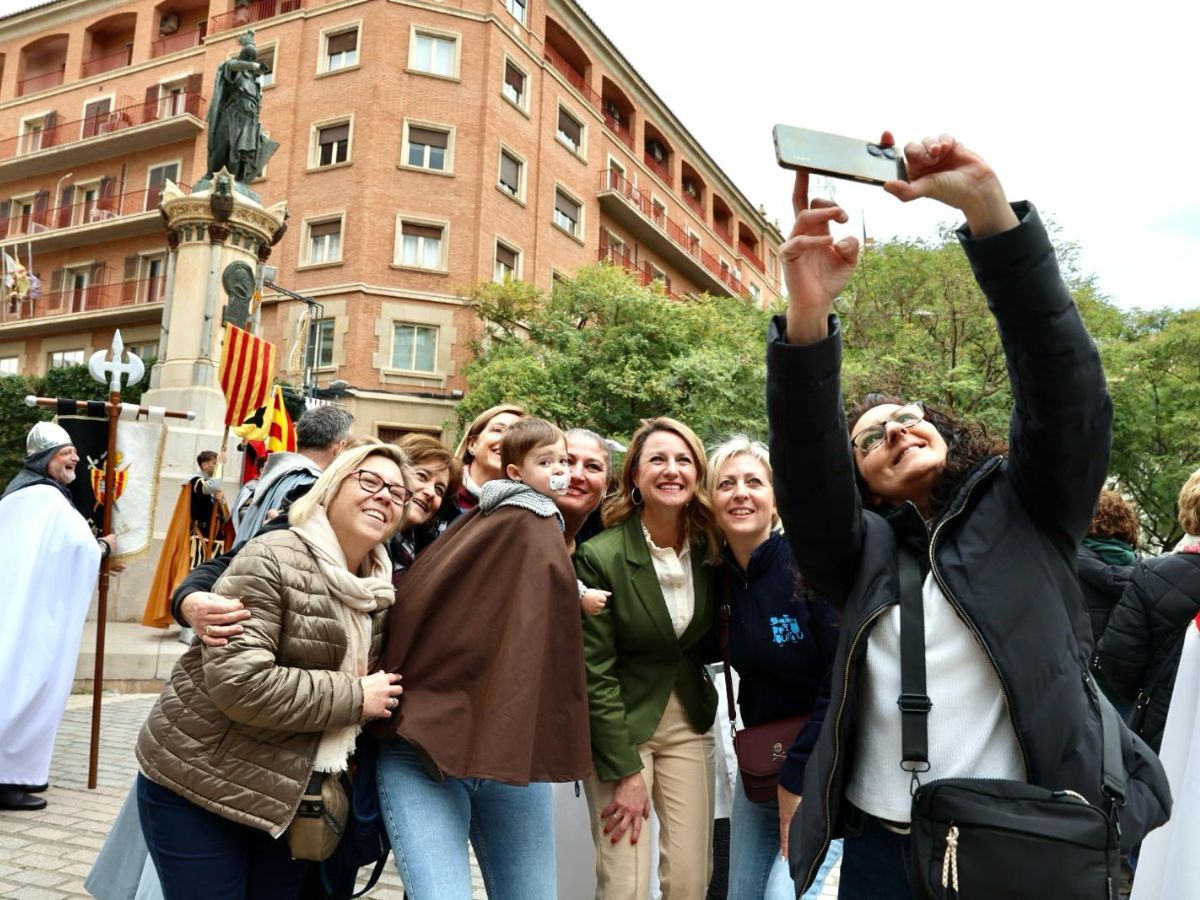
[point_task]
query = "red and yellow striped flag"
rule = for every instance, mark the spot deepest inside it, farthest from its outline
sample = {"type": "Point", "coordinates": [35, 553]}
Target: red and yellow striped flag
{"type": "Point", "coordinates": [281, 433]}
{"type": "Point", "coordinates": [247, 365]}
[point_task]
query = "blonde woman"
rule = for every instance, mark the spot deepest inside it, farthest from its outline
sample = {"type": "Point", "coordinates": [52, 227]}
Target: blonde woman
{"type": "Point", "coordinates": [479, 451]}
{"type": "Point", "coordinates": [651, 702]}
{"type": "Point", "coordinates": [235, 736]}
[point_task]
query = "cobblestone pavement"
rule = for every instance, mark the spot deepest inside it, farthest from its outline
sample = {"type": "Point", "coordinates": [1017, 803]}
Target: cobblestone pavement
{"type": "Point", "coordinates": [46, 855]}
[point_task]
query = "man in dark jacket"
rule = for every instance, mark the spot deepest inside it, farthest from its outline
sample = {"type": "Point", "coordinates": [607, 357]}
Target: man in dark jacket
{"type": "Point", "coordinates": [1139, 652]}
{"type": "Point", "coordinates": [997, 536]}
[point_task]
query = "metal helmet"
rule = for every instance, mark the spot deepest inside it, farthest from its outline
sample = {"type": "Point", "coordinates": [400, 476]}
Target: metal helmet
{"type": "Point", "coordinates": [46, 436]}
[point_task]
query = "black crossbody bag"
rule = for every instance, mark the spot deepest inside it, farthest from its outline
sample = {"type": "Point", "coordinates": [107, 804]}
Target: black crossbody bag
{"type": "Point", "coordinates": [992, 838]}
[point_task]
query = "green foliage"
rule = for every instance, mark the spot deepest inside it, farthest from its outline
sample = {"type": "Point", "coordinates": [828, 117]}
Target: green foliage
{"type": "Point", "coordinates": [605, 352]}
{"type": "Point", "coordinates": [16, 418]}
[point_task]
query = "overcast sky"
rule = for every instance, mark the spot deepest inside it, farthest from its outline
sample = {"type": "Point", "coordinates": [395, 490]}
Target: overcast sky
{"type": "Point", "coordinates": [1087, 109]}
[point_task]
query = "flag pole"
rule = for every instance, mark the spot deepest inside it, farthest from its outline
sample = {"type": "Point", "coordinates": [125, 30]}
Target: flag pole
{"type": "Point", "coordinates": [217, 473]}
{"type": "Point", "coordinates": [110, 459]}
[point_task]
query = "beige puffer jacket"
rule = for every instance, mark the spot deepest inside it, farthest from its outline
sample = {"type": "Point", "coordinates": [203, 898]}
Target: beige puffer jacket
{"type": "Point", "coordinates": [236, 729]}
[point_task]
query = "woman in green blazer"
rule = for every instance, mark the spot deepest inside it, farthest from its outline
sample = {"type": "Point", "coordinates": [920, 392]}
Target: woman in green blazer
{"type": "Point", "coordinates": [651, 701]}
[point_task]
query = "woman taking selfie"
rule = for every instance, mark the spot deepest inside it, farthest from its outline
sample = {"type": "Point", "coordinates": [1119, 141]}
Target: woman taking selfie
{"type": "Point", "coordinates": [651, 702]}
{"type": "Point", "coordinates": [228, 749]}
{"type": "Point", "coordinates": [996, 537]}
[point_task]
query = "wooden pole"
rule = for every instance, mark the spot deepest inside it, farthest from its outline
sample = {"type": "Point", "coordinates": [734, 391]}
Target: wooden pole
{"type": "Point", "coordinates": [110, 467]}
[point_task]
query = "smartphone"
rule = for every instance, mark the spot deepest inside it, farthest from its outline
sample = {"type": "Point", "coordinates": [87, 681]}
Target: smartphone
{"type": "Point", "coordinates": [837, 156]}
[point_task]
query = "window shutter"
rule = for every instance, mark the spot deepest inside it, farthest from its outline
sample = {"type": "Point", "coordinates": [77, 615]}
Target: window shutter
{"type": "Point", "coordinates": [150, 104]}
{"type": "Point", "coordinates": [513, 78]}
{"type": "Point", "coordinates": [334, 134]}
{"type": "Point", "coordinates": [64, 206]}
{"type": "Point", "coordinates": [428, 136]}
{"type": "Point", "coordinates": [49, 124]}
{"type": "Point", "coordinates": [56, 281]}
{"type": "Point", "coordinates": [129, 279]}
{"type": "Point", "coordinates": [192, 86]}
{"type": "Point", "coordinates": [411, 229]}
{"type": "Point", "coordinates": [5, 212]}
{"type": "Point", "coordinates": [510, 172]}
{"type": "Point", "coordinates": [98, 274]}
{"type": "Point", "coordinates": [108, 187]}
{"type": "Point", "coordinates": [41, 206]}
{"type": "Point", "coordinates": [566, 206]}
{"type": "Point", "coordinates": [342, 43]}
{"type": "Point", "coordinates": [321, 229]}
{"type": "Point", "coordinates": [506, 257]}
{"type": "Point", "coordinates": [570, 127]}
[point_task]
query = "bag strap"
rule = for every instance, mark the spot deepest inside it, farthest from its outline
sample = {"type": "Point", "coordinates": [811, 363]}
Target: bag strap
{"type": "Point", "coordinates": [914, 702]}
{"type": "Point", "coordinates": [726, 611]}
{"type": "Point", "coordinates": [375, 873]}
{"type": "Point", "coordinates": [1110, 730]}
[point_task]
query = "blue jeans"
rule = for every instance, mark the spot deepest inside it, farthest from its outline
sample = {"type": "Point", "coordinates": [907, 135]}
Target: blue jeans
{"type": "Point", "coordinates": [429, 822]}
{"type": "Point", "coordinates": [198, 854]}
{"type": "Point", "coordinates": [756, 870]}
{"type": "Point", "coordinates": [874, 859]}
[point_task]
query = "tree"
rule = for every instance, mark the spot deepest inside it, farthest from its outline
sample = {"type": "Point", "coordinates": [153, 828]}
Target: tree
{"type": "Point", "coordinates": [16, 418]}
{"type": "Point", "coordinates": [604, 352]}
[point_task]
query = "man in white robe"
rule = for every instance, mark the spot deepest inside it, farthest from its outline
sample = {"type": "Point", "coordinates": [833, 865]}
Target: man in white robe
{"type": "Point", "coordinates": [50, 560]}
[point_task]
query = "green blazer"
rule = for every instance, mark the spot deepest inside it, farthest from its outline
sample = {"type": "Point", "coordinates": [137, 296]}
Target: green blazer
{"type": "Point", "coordinates": [634, 660]}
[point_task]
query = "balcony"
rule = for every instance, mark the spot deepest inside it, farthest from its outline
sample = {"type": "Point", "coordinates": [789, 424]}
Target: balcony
{"type": "Point", "coordinates": [617, 127]}
{"type": "Point", "coordinates": [659, 169]}
{"type": "Point", "coordinates": [108, 62]}
{"type": "Point", "coordinates": [696, 205]}
{"type": "Point", "coordinates": [42, 82]}
{"type": "Point", "coordinates": [181, 40]}
{"type": "Point", "coordinates": [92, 221]}
{"type": "Point", "coordinates": [748, 254]}
{"type": "Point", "coordinates": [634, 209]}
{"type": "Point", "coordinates": [121, 132]}
{"type": "Point", "coordinates": [253, 12]}
{"type": "Point", "coordinates": [573, 75]}
{"type": "Point", "coordinates": [642, 276]}
{"type": "Point", "coordinates": [98, 304]}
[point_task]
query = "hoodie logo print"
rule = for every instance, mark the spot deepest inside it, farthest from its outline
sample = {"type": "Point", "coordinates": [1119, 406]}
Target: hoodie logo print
{"type": "Point", "coordinates": [786, 630]}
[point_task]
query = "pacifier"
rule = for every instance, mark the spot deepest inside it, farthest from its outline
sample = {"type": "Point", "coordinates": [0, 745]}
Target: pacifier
{"type": "Point", "coordinates": [559, 483]}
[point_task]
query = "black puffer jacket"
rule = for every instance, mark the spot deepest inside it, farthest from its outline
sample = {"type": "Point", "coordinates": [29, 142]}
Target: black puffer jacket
{"type": "Point", "coordinates": [1139, 651]}
{"type": "Point", "coordinates": [1003, 551]}
{"type": "Point", "coordinates": [1102, 585]}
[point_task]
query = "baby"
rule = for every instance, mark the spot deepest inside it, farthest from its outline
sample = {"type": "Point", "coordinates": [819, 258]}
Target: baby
{"type": "Point", "coordinates": [534, 452]}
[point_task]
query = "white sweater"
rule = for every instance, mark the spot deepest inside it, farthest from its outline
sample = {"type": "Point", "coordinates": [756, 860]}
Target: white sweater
{"type": "Point", "coordinates": [970, 730]}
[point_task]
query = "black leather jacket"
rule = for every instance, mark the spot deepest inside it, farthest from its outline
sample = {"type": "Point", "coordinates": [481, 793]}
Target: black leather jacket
{"type": "Point", "coordinates": [1003, 551]}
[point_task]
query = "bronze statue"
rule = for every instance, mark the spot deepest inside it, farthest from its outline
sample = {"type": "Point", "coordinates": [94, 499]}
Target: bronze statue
{"type": "Point", "coordinates": [235, 138]}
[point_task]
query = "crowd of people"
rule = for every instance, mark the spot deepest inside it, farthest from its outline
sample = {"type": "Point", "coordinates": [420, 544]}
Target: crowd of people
{"type": "Point", "coordinates": [461, 630]}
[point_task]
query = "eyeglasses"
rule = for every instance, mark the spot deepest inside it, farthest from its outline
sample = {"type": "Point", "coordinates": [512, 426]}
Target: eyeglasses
{"type": "Point", "coordinates": [876, 435]}
{"type": "Point", "coordinates": [373, 484]}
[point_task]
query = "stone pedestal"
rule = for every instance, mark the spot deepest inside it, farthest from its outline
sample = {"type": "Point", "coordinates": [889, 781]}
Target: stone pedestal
{"type": "Point", "coordinates": [206, 231]}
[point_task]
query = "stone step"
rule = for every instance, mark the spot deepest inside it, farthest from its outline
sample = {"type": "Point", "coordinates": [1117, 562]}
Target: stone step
{"type": "Point", "coordinates": [136, 658]}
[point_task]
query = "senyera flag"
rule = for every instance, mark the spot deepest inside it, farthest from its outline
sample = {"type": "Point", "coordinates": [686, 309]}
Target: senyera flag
{"type": "Point", "coordinates": [281, 433]}
{"type": "Point", "coordinates": [247, 364]}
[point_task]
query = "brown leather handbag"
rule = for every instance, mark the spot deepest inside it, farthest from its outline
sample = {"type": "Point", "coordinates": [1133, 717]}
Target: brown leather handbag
{"type": "Point", "coordinates": [320, 821]}
{"type": "Point", "coordinates": [761, 749]}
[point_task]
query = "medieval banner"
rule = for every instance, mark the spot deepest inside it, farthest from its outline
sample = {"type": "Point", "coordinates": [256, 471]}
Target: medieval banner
{"type": "Point", "coordinates": [136, 468]}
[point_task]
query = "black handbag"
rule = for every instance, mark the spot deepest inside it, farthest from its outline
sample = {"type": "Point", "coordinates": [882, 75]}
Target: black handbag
{"type": "Point", "coordinates": [761, 749]}
{"type": "Point", "coordinates": [997, 839]}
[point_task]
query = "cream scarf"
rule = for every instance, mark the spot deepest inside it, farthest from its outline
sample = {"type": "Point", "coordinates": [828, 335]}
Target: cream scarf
{"type": "Point", "coordinates": [356, 597]}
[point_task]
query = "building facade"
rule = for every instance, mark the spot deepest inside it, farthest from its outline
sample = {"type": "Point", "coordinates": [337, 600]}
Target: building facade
{"type": "Point", "coordinates": [425, 145]}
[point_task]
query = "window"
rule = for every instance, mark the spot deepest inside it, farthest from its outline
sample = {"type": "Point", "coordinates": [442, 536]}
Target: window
{"type": "Point", "coordinates": [566, 213]}
{"type": "Point", "coordinates": [755, 294]}
{"type": "Point", "coordinates": [655, 273]}
{"type": "Point", "coordinates": [433, 54]}
{"type": "Point", "coordinates": [8, 365]}
{"type": "Point", "coordinates": [144, 351]}
{"type": "Point", "coordinates": [514, 83]}
{"type": "Point", "coordinates": [153, 275]}
{"type": "Point", "coordinates": [507, 260]}
{"type": "Point", "coordinates": [614, 243]}
{"type": "Point", "coordinates": [414, 347]}
{"type": "Point", "coordinates": [95, 117]}
{"type": "Point", "coordinates": [428, 148]}
{"type": "Point", "coordinates": [333, 144]}
{"type": "Point", "coordinates": [32, 133]}
{"type": "Point", "coordinates": [512, 171]}
{"type": "Point", "coordinates": [421, 246]}
{"type": "Point", "coordinates": [156, 182]}
{"type": "Point", "coordinates": [517, 8]}
{"type": "Point", "coordinates": [323, 344]}
{"type": "Point", "coordinates": [61, 358]}
{"type": "Point", "coordinates": [324, 242]}
{"type": "Point", "coordinates": [266, 56]}
{"type": "Point", "coordinates": [658, 212]}
{"type": "Point", "coordinates": [341, 50]}
{"type": "Point", "coordinates": [570, 130]}
{"type": "Point", "coordinates": [172, 99]}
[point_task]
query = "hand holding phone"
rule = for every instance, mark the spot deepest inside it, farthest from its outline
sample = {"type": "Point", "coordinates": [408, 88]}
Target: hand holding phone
{"type": "Point", "coordinates": [839, 157]}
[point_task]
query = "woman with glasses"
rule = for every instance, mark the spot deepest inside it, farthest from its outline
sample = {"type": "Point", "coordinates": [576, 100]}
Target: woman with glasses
{"type": "Point", "coordinates": [995, 533]}
{"type": "Point", "coordinates": [229, 748]}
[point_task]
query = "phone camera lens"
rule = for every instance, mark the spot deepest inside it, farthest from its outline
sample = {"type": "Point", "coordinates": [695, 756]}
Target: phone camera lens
{"type": "Point", "coordinates": [889, 153]}
{"type": "Point", "coordinates": [875, 150]}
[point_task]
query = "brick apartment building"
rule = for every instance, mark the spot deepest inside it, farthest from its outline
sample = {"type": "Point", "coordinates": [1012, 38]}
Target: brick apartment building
{"type": "Point", "coordinates": [425, 145]}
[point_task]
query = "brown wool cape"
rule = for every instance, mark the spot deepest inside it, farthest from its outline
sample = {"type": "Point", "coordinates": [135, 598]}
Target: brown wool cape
{"type": "Point", "coordinates": [486, 632]}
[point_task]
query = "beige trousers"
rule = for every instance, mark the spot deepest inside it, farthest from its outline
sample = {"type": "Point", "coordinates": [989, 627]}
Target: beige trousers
{"type": "Point", "coordinates": [678, 769]}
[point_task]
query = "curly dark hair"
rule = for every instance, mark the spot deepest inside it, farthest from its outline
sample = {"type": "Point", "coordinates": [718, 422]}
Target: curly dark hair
{"type": "Point", "coordinates": [967, 445]}
{"type": "Point", "coordinates": [1115, 517]}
